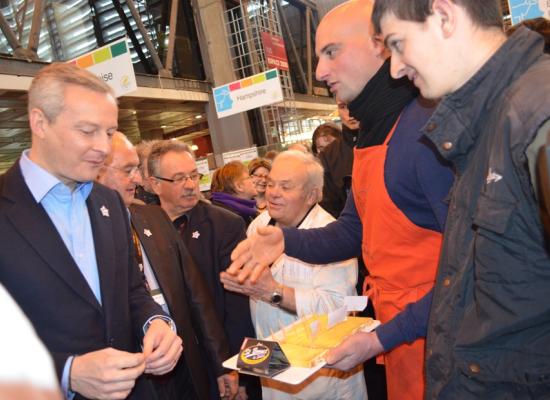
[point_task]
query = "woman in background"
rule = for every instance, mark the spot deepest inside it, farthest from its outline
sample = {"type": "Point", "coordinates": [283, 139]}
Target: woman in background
{"type": "Point", "coordinates": [259, 170]}
{"type": "Point", "coordinates": [233, 189]}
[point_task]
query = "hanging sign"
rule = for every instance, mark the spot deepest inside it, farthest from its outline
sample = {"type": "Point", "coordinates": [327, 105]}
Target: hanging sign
{"type": "Point", "coordinates": [274, 51]}
{"type": "Point", "coordinates": [245, 94]}
{"type": "Point", "coordinates": [113, 64]}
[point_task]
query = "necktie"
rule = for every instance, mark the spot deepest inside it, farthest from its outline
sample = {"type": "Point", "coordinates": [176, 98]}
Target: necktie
{"type": "Point", "coordinates": [182, 224]}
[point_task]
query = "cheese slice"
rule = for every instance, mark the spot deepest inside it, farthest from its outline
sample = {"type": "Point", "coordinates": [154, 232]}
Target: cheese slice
{"type": "Point", "coordinates": [305, 347]}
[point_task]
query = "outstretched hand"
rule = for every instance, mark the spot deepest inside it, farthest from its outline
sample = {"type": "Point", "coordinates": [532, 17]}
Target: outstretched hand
{"type": "Point", "coordinates": [355, 350]}
{"type": "Point", "coordinates": [258, 251]}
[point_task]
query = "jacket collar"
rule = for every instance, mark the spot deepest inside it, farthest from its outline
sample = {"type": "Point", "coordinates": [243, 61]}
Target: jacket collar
{"type": "Point", "coordinates": [452, 126]}
{"type": "Point", "coordinates": [32, 222]}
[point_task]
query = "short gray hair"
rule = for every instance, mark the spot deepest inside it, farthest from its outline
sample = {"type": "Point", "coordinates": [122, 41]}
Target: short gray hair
{"type": "Point", "coordinates": [47, 90]}
{"type": "Point", "coordinates": [160, 148]}
{"type": "Point", "coordinates": [314, 170]}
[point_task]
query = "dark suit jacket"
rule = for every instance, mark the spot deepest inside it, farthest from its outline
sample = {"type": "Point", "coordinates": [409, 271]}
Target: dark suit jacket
{"type": "Point", "coordinates": [211, 235]}
{"type": "Point", "coordinates": [185, 291]}
{"type": "Point", "coordinates": [41, 275]}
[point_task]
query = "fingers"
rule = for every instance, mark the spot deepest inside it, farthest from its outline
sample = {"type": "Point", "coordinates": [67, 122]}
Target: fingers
{"type": "Point", "coordinates": [247, 270]}
{"type": "Point", "coordinates": [118, 390]}
{"type": "Point", "coordinates": [167, 361]}
{"type": "Point", "coordinates": [221, 385]}
{"type": "Point", "coordinates": [106, 373]}
{"type": "Point", "coordinates": [240, 255]}
{"type": "Point", "coordinates": [339, 356]}
{"type": "Point", "coordinates": [148, 344]}
{"type": "Point", "coordinates": [156, 333]}
{"type": "Point", "coordinates": [230, 282]}
{"type": "Point", "coordinates": [233, 383]}
{"type": "Point", "coordinates": [125, 360]}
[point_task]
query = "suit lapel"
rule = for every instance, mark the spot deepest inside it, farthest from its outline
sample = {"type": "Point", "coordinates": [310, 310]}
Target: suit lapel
{"type": "Point", "coordinates": [151, 244]}
{"type": "Point", "coordinates": [34, 225]}
{"type": "Point", "coordinates": [102, 230]}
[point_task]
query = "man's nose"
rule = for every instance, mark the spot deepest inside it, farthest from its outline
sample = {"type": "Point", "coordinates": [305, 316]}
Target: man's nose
{"type": "Point", "coordinates": [321, 72]}
{"type": "Point", "coordinates": [102, 143]}
{"type": "Point", "coordinates": [136, 178]}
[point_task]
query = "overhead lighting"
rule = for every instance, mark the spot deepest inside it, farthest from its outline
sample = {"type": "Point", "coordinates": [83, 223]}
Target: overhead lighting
{"type": "Point", "coordinates": [198, 116]}
{"type": "Point", "coordinates": [163, 126]}
{"type": "Point", "coordinates": [194, 147]}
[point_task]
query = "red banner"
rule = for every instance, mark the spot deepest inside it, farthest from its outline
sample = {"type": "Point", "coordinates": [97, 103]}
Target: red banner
{"type": "Point", "coordinates": [274, 50]}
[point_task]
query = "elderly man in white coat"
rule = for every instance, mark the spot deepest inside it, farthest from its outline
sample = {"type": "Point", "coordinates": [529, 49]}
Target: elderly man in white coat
{"type": "Point", "coordinates": [291, 289]}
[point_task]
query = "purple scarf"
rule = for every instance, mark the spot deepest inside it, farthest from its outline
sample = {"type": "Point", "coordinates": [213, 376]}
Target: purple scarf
{"type": "Point", "coordinates": [243, 207]}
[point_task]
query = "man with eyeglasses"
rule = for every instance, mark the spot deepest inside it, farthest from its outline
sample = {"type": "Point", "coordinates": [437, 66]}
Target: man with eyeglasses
{"type": "Point", "coordinates": [174, 282]}
{"type": "Point", "coordinates": [210, 234]}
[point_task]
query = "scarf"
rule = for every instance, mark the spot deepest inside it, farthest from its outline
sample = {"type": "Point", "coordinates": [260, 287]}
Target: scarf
{"type": "Point", "coordinates": [379, 105]}
{"type": "Point", "coordinates": [243, 207]}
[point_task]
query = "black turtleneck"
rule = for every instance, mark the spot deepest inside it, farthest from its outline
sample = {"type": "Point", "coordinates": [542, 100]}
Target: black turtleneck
{"type": "Point", "coordinates": [379, 105]}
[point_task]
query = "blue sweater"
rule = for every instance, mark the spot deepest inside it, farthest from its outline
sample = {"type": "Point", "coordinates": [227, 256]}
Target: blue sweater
{"type": "Point", "coordinates": [417, 182]}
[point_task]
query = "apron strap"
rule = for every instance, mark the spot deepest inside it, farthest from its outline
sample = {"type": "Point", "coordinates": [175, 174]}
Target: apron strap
{"type": "Point", "coordinates": [388, 138]}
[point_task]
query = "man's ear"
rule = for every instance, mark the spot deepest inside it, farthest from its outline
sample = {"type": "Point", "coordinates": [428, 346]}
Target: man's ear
{"type": "Point", "coordinates": [312, 196]}
{"type": "Point", "coordinates": [378, 46]}
{"type": "Point", "coordinates": [38, 122]}
{"type": "Point", "coordinates": [446, 13]}
{"type": "Point", "coordinates": [155, 185]}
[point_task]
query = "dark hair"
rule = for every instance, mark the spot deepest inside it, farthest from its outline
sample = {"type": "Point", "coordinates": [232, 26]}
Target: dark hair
{"type": "Point", "coordinates": [485, 13]}
{"type": "Point", "coordinates": [326, 129]}
{"type": "Point", "coordinates": [539, 25]}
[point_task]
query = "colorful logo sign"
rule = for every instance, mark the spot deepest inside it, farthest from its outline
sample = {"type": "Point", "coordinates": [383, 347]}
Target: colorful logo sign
{"type": "Point", "coordinates": [274, 51]}
{"type": "Point", "coordinates": [246, 94]}
{"type": "Point", "coordinates": [113, 64]}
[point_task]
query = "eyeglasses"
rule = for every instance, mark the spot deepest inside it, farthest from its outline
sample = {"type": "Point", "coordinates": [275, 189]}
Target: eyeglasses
{"type": "Point", "coordinates": [254, 176]}
{"type": "Point", "coordinates": [195, 177]}
{"type": "Point", "coordinates": [128, 171]}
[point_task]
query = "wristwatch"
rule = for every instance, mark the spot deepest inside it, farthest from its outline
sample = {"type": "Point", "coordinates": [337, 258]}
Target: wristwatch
{"type": "Point", "coordinates": [277, 296]}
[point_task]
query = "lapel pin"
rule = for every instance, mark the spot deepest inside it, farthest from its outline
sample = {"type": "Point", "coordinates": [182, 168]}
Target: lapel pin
{"type": "Point", "coordinates": [196, 235]}
{"type": "Point", "coordinates": [147, 232]}
{"type": "Point", "coordinates": [104, 211]}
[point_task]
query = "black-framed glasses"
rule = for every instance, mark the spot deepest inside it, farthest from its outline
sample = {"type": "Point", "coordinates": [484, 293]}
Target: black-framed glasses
{"type": "Point", "coordinates": [195, 177]}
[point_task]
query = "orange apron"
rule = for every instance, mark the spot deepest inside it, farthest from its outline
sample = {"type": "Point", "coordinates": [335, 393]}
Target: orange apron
{"type": "Point", "coordinates": [402, 260]}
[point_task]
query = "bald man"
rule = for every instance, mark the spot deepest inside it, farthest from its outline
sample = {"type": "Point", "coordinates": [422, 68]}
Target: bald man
{"type": "Point", "coordinates": [174, 282]}
{"type": "Point", "coordinates": [396, 212]}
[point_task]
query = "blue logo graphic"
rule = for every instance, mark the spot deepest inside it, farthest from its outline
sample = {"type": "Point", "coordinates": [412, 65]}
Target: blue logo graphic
{"type": "Point", "coordinates": [525, 9]}
{"type": "Point", "coordinates": [223, 99]}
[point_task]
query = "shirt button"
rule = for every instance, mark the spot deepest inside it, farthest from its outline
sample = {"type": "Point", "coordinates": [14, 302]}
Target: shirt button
{"type": "Point", "coordinates": [475, 369]}
{"type": "Point", "coordinates": [429, 352]}
{"type": "Point", "coordinates": [447, 145]}
{"type": "Point", "coordinates": [446, 282]}
{"type": "Point", "coordinates": [431, 127]}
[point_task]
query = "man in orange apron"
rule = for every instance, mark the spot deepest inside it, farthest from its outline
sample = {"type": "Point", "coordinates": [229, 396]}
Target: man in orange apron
{"type": "Point", "coordinates": [396, 213]}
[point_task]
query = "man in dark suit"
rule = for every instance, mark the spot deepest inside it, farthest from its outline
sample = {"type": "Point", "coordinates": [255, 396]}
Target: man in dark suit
{"type": "Point", "coordinates": [209, 232]}
{"type": "Point", "coordinates": [174, 282]}
{"type": "Point", "coordinates": [65, 247]}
